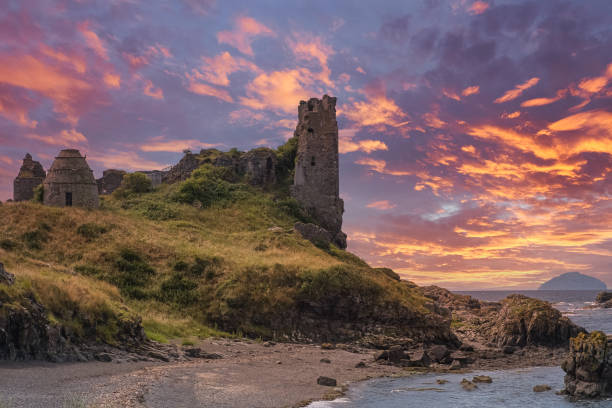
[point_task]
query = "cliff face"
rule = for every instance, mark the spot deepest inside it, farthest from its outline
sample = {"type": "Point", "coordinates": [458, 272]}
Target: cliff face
{"type": "Point", "coordinates": [589, 366]}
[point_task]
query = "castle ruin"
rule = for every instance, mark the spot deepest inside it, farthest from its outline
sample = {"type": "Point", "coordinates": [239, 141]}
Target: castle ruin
{"type": "Point", "coordinates": [316, 183]}
{"type": "Point", "coordinates": [30, 176]}
{"type": "Point", "coordinates": [70, 182]}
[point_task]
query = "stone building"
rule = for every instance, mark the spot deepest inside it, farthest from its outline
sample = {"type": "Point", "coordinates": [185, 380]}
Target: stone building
{"type": "Point", "coordinates": [110, 181]}
{"type": "Point", "coordinates": [316, 183]}
{"type": "Point", "coordinates": [259, 166]}
{"type": "Point", "coordinates": [70, 182]}
{"type": "Point", "coordinates": [30, 176]}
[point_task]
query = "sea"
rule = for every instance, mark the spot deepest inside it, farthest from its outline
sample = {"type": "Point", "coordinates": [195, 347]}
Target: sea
{"type": "Point", "coordinates": [509, 389]}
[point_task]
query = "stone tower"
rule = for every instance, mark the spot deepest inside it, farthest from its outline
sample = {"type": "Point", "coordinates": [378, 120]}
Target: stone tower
{"type": "Point", "coordinates": [70, 182]}
{"type": "Point", "coordinates": [31, 175]}
{"type": "Point", "coordinates": [316, 180]}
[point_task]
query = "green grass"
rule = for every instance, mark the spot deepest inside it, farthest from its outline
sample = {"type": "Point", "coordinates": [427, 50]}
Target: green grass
{"type": "Point", "coordinates": [190, 272]}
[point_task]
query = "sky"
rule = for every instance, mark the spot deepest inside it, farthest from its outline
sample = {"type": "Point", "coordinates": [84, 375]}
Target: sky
{"type": "Point", "coordinates": [475, 135]}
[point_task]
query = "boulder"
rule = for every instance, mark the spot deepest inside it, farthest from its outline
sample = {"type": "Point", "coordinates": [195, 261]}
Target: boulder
{"type": "Point", "coordinates": [468, 385]}
{"type": "Point", "coordinates": [394, 355]}
{"type": "Point", "coordinates": [541, 388]}
{"type": "Point", "coordinates": [419, 359]}
{"type": "Point", "coordinates": [313, 233]}
{"type": "Point", "coordinates": [588, 366]}
{"type": "Point", "coordinates": [604, 299]}
{"type": "Point", "coordinates": [6, 277]}
{"type": "Point", "coordinates": [325, 360]}
{"type": "Point", "coordinates": [438, 353]}
{"type": "Point", "coordinates": [326, 381]}
{"type": "Point", "coordinates": [524, 321]}
{"type": "Point", "coordinates": [482, 379]}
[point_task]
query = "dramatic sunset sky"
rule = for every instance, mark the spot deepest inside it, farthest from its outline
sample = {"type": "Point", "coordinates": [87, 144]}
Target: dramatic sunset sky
{"type": "Point", "coordinates": [476, 136]}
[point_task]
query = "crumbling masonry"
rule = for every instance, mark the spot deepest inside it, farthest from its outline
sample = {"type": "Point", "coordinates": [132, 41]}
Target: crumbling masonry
{"type": "Point", "coordinates": [316, 182]}
{"type": "Point", "coordinates": [31, 175]}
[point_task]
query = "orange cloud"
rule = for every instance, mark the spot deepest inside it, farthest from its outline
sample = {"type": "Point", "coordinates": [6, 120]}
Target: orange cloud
{"type": "Point", "coordinates": [470, 90]}
{"type": "Point", "coordinates": [245, 31]}
{"type": "Point", "coordinates": [152, 91]}
{"type": "Point", "coordinates": [380, 166]}
{"type": "Point", "coordinates": [205, 89]}
{"type": "Point", "coordinates": [112, 80]}
{"type": "Point", "coordinates": [382, 205]}
{"type": "Point", "coordinates": [160, 145]}
{"type": "Point", "coordinates": [13, 110]}
{"type": "Point", "coordinates": [451, 94]}
{"type": "Point", "coordinates": [478, 7]}
{"type": "Point", "coordinates": [310, 48]}
{"type": "Point", "coordinates": [77, 62]}
{"type": "Point", "coordinates": [377, 109]}
{"type": "Point", "coordinates": [93, 41]}
{"type": "Point", "coordinates": [69, 137]}
{"type": "Point", "coordinates": [544, 101]}
{"type": "Point", "coordinates": [216, 70]}
{"type": "Point", "coordinates": [30, 73]}
{"type": "Point", "coordinates": [278, 90]}
{"type": "Point", "coordinates": [517, 91]}
{"type": "Point", "coordinates": [116, 159]}
{"type": "Point", "coordinates": [511, 115]}
{"type": "Point", "coordinates": [367, 146]}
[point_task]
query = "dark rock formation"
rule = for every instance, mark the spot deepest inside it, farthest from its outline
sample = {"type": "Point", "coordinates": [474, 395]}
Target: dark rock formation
{"type": "Point", "coordinates": [326, 381]}
{"type": "Point", "coordinates": [517, 321]}
{"type": "Point", "coordinates": [604, 299]}
{"type": "Point", "coordinates": [589, 366]}
{"type": "Point", "coordinates": [31, 175]}
{"type": "Point", "coordinates": [183, 169]}
{"type": "Point", "coordinates": [525, 321]}
{"type": "Point", "coordinates": [70, 182]}
{"type": "Point", "coordinates": [6, 277]}
{"type": "Point", "coordinates": [313, 233]}
{"type": "Point", "coordinates": [573, 281]}
{"type": "Point", "coordinates": [110, 181]}
{"type": "Point", "coordinates": [259, 166]}
{"type": "Point", "coordinates": [316, 181]}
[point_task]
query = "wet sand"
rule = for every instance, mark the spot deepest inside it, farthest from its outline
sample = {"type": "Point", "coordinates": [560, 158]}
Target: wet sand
{"type": "Point", "coordinates": [250, 375]}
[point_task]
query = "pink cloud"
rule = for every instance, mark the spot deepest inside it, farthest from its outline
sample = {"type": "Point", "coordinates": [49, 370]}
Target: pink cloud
{"type": "Point", "coordinates": [153, 91]}
{"type": "Point", "coordinates": [381, 205]}
{"type": "Point", "coordinates": [93, 41]}
{"type": "Point", "coordinates": [244, 33]}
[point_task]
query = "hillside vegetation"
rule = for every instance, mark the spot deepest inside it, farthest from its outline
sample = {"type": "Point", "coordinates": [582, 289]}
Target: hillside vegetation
{"type": "Point", "coordinates": [208, 256]}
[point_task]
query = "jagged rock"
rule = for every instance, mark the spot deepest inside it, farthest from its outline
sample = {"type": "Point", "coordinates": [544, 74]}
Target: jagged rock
{"type": "Point", "coordinates": [313, 233]}
{"type": "Point", "coordinates": [394, 355]}
{"type": "Point", "coordinates": [326, 381]}
{"type": "Point", "coordinates": [438, 353]}
{"type": "Point", "coordinates": [588, 366]}
{"type": "Point", "coordinates": [455, 365]}
{"type": "Point", "coordinates": [6, 277]}
{"type": "Point", "coordinates": [482, 379]}
{"type": "Point", "coordinates": [541, 388]}
{"type": "Point", "coordinates": [420, 359]}
{"type": "Point", "coordinates": [604, 299]}
{"type": "Point", "coordinates": [525, 321]}
{"type": "Point", "coordinates": [468, 385]}
{"type": "Point", "coordinates": [104, 357]}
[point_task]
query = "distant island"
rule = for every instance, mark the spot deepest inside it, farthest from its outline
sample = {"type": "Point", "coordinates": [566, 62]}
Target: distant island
{"type": "Point", "coordinates": [573, 281]}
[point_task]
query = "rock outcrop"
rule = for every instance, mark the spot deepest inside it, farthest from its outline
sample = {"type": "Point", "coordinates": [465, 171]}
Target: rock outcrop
{"type": "Point", "coordinates": [525, 321]}
{"type": "Point", "coordinates": [313, 233]}
{"type": "Point", "coordinates": [516, 321]}
{"type": "Point", "coordinates": [604, 299]}
{"type": "Point", "coordinates": [6, 277]}
{"type": "Point", "coordinates": [589, 366]}
{"type": "Point", "coordinates": [30, 176]}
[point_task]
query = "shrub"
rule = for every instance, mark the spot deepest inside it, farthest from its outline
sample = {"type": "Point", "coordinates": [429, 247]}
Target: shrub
{"type": "Point", "coordinates": [132, 273]}
{"type": "Point", "coordinates": [34, 239]}
{"type": "Point", "coordinates": [207, 185]}
{"type": "Point", "coordinates": [133, 183]}
{"type": "Point", "coordinates": [39, 194]}
{"type": "Point", "coordinates": [8, 244]}
{"type": "Point", "coordinates": [178, 289]}
{"type": "Point", "coordinates": [91, 230]}
{"type": "Point", "coordinates": [158, 211]}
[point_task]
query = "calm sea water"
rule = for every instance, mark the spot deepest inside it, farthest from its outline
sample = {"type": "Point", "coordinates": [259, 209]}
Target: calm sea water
{"type": "Point", "coordinates": [510, 388]}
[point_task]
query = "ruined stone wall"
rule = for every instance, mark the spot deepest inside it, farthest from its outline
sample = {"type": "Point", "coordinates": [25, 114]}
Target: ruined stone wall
{"type": "Point", "coordinates": [259, 166]}
{"type": "Point", "coordinates": [30, 176]}
{"type": "Point", "coordinates": [316, 181]}
{"type": "Point", "coordinates": [110, 181]}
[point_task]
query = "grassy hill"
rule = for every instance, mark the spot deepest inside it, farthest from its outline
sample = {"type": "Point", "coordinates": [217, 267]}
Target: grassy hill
{"type": "Point", "coordinates": [229, 265]}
